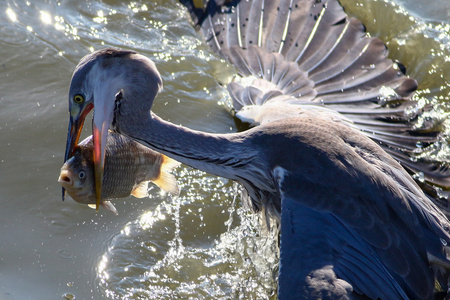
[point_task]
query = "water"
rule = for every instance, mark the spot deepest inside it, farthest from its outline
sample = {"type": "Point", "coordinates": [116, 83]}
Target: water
{"type": "Point", "coordinates": [202, 245]}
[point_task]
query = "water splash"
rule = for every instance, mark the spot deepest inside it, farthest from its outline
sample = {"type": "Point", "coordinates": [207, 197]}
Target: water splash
{"type": "Point", "coordinates": [178, 251]}
{"type": "Point", "coordinates": [386, 95]}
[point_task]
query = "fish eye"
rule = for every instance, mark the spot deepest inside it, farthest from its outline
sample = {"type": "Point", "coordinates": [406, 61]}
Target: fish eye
{"type": "Point", "coordinates": [78, 99]}
{"type": "Point", "coordinates": [81, 175]}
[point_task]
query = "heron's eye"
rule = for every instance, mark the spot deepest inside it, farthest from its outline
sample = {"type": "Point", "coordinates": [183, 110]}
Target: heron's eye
{"type": "Point", "coordinates": [81, 175]}
{"type": "Point", "coordinates": [78, 98]}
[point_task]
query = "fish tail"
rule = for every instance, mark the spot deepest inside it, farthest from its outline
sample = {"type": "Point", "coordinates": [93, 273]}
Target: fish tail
{"type": "Point", "coordinates": [165, 180]}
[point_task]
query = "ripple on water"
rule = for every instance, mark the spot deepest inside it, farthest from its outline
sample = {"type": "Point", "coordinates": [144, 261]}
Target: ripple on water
{"type": "Point", "coordinates": [150, 259]}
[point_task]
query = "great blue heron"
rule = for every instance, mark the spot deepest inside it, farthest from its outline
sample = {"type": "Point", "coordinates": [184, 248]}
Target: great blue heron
{"type": "Point", "coordinates": [353, 222]}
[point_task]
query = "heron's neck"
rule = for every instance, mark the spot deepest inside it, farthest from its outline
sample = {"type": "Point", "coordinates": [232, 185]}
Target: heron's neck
{"type": "Point", "coordinates": [213, 153]}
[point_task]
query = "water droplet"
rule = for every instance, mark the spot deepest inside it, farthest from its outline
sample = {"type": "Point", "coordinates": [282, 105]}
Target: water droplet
{"type": "Point", "coordinates": [68, 296]}
{"type": "Point", "coordinates": [441, 194]}
{"type": "Point", "coordinates": [419, 177]}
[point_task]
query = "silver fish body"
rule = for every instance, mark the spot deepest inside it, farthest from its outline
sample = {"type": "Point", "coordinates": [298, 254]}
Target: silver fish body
{"type": "Point", "coordinates": [129, 166]}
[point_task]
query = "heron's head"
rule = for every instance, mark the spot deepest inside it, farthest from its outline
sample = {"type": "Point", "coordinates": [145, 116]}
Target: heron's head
{"type": "Point", "coordinates": [98, 81]}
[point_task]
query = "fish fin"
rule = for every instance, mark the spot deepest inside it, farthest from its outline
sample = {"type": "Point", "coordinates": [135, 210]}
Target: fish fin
{"type": "Point", "coordinates": [165, 180]}
{"type": "Point", "coordinates": [109, 206]}
{"type": "Point", "coordinates": [168, 164]}
{"type": "Point", "coordinates": [106, 204]}
{"type": "Point", "coordinates": [140, 190]}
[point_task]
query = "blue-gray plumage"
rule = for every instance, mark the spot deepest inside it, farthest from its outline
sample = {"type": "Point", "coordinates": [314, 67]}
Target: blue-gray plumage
{"type": "Point", "coordinates": [353, 221]}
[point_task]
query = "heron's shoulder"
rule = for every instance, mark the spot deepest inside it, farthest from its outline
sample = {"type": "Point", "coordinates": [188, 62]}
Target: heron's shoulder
{"type": "Point", "coordinates": [284, 107]}
{"type": "Point", "coordinates": [303, 119]}
{"type": "Point", "coordinates": [311, 130]}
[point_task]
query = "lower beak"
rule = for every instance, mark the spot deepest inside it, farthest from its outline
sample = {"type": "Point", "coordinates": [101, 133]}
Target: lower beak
{"type": "Point", "coordinates": [73, 133]}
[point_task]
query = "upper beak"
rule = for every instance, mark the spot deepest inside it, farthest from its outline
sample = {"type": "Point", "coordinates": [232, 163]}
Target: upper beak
{"type": "Point", "coordinates": [76, 122]}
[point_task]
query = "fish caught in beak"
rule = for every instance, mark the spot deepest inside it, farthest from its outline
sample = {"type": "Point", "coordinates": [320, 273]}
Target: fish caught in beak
{"type": "Point", "coordinates": [139, 166]}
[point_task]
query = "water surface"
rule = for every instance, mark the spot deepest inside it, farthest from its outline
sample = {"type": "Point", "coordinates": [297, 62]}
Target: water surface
{"type": "Point", "coordinates": [201, 245]}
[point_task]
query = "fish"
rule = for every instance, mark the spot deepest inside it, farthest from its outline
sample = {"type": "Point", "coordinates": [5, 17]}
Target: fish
{"type": "Point", "coordinates": [129, 167]}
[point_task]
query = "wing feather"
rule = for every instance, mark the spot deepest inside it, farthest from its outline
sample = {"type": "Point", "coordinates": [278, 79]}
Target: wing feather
{"type": "Point", "coordinates": [312, 51]}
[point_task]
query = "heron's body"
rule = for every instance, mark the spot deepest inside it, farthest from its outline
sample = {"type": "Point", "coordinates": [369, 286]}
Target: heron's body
{"type": "Point", "coordinates": [353, 221]}
{"type": "Point", "coordinates": [349, 212]}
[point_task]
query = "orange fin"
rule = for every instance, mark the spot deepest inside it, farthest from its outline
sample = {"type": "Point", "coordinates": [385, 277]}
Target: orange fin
{"type": "Point", "coordinates": [140, 190]}
{"type": "Point", "coordinates": [165, 180]}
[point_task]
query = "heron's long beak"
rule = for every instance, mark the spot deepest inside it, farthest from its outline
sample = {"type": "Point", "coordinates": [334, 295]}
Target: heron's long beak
{"type": "Point", "coordinates": [76, 121]}
{"type": "Point", "coordinates": [103, 115]}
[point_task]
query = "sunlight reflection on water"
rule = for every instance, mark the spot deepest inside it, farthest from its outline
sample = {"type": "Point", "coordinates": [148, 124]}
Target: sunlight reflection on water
{"type": "Point", "coordinates": [202, 244]}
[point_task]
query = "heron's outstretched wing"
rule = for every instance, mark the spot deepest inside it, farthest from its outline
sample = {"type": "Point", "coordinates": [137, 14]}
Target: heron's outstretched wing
{"type": "Point", "coordinates": [321, 257]}
{"type": "Point", "coordinates": [306, 43]}
{"type": "Point", "coordinates": [307, 52]}
{"type": "Point", "coordinates": [356, 183]}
